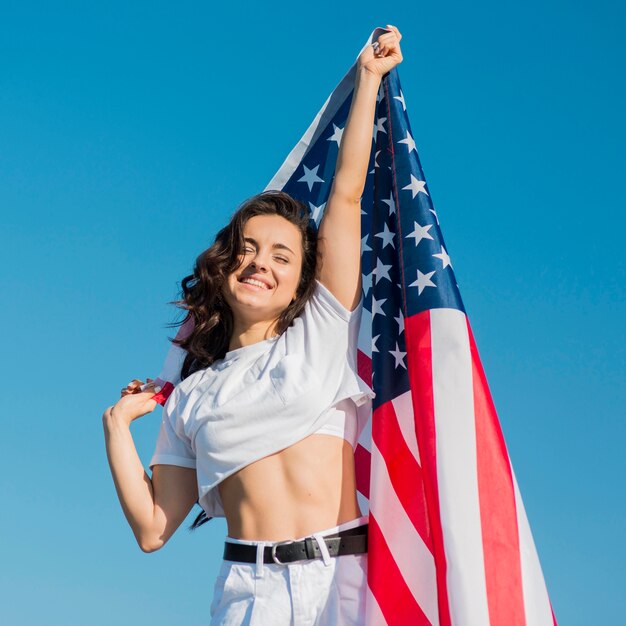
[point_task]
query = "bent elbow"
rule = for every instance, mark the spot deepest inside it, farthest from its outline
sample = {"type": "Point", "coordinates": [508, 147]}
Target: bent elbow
{"type": "Point", "coordinates": [148, 548]}
{"type": "Point", "coordinates": [150, 544]}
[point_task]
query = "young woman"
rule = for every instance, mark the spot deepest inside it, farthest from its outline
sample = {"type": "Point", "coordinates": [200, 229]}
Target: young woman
{"type": "Point", "coordinates": [262, 427]}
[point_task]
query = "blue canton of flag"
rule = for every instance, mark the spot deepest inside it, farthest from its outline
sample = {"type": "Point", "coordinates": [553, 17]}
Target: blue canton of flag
{"type": "Point", "coordinates": [398, 233]}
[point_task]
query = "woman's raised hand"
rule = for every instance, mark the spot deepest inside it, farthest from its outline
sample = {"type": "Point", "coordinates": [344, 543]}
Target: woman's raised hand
{"type": "Point", "coordinates": [136, 386]}
{"type": "Point", "coordinates": [383, 55]}
{"type": "Point", "coordinates": [134, 402]}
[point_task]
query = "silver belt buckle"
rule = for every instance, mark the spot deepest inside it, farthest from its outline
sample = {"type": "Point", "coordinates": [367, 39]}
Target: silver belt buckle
{"type": "Point", "coordinates": [280, 543]}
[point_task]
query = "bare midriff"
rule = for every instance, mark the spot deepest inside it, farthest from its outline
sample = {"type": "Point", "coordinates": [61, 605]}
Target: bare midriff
{"type": "Point", "coordinates": [307, 487]}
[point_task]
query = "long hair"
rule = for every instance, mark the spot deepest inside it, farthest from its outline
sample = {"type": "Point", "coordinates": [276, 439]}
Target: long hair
{"type": "Point", "coordinates": [202, 296]}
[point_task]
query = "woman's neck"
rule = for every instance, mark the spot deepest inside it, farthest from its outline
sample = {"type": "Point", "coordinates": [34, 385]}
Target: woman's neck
{"type": "Point", "coordinates": [247, 335]}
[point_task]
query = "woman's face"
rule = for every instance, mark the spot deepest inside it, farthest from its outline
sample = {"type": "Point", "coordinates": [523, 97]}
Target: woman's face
{"type": "Point", "coordinates": [265, 283]}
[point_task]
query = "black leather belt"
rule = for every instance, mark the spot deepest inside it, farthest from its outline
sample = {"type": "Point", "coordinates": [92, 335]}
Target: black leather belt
{"type": "Point", "coordinates": [351, 541]}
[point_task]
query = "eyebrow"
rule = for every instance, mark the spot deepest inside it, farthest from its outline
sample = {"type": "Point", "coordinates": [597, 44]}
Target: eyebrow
{"type": "Point", "coordinates": [280, 246]}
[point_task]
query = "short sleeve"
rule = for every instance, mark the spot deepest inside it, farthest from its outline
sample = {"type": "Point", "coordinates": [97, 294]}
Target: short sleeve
{"type": "Point", "coordinates": [329, 302]}
{"type": "Point", "coordinates": [173, 446]}
{"type": "Point", "coordinates": [327, 336]}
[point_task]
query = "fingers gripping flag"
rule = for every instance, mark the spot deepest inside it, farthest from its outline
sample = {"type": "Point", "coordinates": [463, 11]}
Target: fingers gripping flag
{"type": "Point", "coordinates": [449, 540]}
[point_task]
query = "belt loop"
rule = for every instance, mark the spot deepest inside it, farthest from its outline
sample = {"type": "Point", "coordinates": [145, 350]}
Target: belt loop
{"type": "Point", "coordinates": [260, 553]}
{"type": "Point", "coordinates": [323, 548]}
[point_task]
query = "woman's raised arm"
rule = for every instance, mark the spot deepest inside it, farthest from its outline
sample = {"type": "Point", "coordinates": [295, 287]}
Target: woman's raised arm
{"type": "Point", "coordinates": [339, 236]}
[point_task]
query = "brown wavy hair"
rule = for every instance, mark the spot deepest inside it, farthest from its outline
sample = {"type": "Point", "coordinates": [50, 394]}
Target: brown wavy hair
{"type": "Point", "coordinates": [202, 296]}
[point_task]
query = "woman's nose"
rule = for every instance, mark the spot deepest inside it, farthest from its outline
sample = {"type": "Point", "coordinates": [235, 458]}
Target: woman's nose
{"type": "Point", "coordinates": [259, 264]}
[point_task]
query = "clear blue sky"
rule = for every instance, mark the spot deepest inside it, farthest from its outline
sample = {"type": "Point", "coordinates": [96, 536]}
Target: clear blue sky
{"type": "Point", "coordinates": [130, 131]}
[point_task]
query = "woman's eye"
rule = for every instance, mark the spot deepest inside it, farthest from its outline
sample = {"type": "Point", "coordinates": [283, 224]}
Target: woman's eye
{"type": "Point", "coordinates": [282, 259]}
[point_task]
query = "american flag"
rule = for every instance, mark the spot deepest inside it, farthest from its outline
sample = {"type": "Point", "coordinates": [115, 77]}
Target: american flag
{"type": "Point", "coordinates": [450, 543]}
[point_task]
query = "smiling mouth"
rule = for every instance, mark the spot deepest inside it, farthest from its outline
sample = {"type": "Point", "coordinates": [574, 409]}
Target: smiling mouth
{"type": "Point", "coordinates": [254, 283]}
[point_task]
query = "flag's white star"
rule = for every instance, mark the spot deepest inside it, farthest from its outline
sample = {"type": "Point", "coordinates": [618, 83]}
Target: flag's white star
{"type": "Point", "coordinates": [377, 306]}
{"type": "Point", "coordinates": [310, 176]}
{"type": "Point", "coordinates": [387, 236]}
{"type": "Point", "coordinates": [367, 282]}
{"type": "Point", "coordinates": [374, 340]}
{"type": "Point", "coordinates": [423, 281]}
{"type": "Point", "coordinates": [443, 255]}
{"type": "Point", "coordinates": [337, 135]}
{"type": "Point", "coordinates": [379, 126]}
{"type": "Point", "coordinates": [375, 163]}
{"type": "Point", "coordinates": [401, 98]}
{"type": "Point", "coordinates": [317, 211]}
{"type": "Point", "coordinates": [435, 214]}
{"type": "Point", "coordinates": [382, 270]}
{"type": "Point", "coordinates": [364, 246]}
{"type": "Point", "coordinates": [420, 232]}
{"type": "Point", "coordinates": [409, 141]}
{"type": "Point", "coordinates": [398, 355]}
{"type": "Point", "coordinates": [400, 320]}
{"type": "Point", "coordinates": [391, 203]}
{"type": "Point", "coordinates": [416, 186]}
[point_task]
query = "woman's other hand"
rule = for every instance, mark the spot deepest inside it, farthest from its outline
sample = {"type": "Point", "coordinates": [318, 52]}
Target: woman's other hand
{"type": "Point", "coordinates": [382, 58]}
{"type": "Point", "coordinates": [134, 402]}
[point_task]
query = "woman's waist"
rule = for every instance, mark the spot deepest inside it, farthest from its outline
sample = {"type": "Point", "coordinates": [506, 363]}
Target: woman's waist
{"type": "Point", "coordinates": [268, 501]}
{"type": "Point", "coordinates": [297, 529]}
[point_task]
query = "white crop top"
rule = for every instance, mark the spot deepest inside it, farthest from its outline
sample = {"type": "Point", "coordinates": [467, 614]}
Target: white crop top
{"type": "Point", "coordinates": [264, 397]}
{"type": "Point", "coordinates": [343, 421]}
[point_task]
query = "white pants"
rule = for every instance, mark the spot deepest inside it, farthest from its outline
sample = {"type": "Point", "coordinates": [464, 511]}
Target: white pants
{"type": "Point", "coordinates": [318, 592]}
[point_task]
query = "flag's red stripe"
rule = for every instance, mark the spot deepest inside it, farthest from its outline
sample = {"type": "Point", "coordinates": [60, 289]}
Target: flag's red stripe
{"type": "Point", "coordinates": [501, 546]}
{"type": "Point", "coordinates": [164, 394]}
{"type": "Point", "coordinates": [362, 466]}
{"type": "Point", "coordinates": [385, 580]}
{"type": "Point", "coordinates": [404, 471]}
{"type": "Point", "coordinates": [419, 348]}
{"type": "Point", "coordinates": [553, 616]}
{"type": "Point", "coordinates": [364, 366]}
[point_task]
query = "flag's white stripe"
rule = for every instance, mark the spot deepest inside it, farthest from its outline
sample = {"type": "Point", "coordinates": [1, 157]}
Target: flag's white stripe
{"type": "Point", "coordinates": [365, 438]}
{"type": "Point", "coordinates": [536, 600]}
{"type": "Point", "coordinates": [364, 503]}
{"type": "Point", "coordinates": [373, 615]}
{"type": "Point", "coordinates": [413, 558]}
{"type": "Point", "coordinates": [321, 121]}
{"type": "Point", "coordinates": [456, 467]}
{"type": "Point", "coordinates": [403, 406]}
{"type": "Point", "coordinates": [173, 365]}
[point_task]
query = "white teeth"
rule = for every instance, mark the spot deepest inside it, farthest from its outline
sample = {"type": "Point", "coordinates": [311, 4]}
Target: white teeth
{"type": "Point", "coordinates": [252, 281]}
